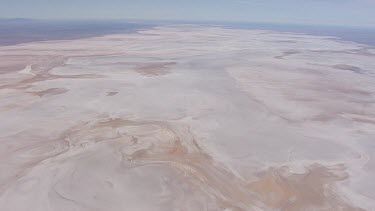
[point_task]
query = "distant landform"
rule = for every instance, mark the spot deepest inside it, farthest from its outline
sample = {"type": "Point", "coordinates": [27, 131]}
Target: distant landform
{"type": "Point", "coordinates": [19, 30]}
{"type": "Point", "coordinates": [15, 31]}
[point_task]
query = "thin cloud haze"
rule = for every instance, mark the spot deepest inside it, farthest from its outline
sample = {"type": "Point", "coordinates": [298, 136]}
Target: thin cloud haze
{"type": "Point", "coordinates": [327, 12]}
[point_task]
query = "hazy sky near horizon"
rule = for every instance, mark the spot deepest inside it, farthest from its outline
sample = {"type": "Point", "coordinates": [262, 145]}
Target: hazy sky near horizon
{"type": "Point", "coordinates": [331, 12]}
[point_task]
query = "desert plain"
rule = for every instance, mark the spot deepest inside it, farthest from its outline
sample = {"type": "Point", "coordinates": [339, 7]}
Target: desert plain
{"type": "Point", "coordinates": [187, 117]}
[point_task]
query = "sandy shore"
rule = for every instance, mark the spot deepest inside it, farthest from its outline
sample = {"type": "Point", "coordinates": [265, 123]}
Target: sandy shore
{"type": "Point", "coordinates": [188, 118]}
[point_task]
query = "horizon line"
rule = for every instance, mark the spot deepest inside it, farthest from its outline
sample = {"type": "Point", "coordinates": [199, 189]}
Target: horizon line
{"type": "Point", "coordinates": [186, 21]}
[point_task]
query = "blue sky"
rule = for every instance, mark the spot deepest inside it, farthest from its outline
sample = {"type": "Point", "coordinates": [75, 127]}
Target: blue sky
{"type": "Point", "coordinates": [327, 12]}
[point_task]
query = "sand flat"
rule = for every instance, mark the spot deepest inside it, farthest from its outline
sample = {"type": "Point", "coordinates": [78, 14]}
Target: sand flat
{"type": "Point", "coordinates": [188, 118]}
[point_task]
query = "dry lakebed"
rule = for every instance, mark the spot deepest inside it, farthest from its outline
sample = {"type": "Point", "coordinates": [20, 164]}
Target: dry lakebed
{"type": "Point", "coordinates": [187, 117]}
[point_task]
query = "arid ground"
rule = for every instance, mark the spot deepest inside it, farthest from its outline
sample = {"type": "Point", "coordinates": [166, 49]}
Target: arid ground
{"type": "Point", "coordinates": [188, 118]}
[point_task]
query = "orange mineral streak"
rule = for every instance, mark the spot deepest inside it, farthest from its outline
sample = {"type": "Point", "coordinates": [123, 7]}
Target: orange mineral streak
{"type": "Point", "coordinates": [158, 143]}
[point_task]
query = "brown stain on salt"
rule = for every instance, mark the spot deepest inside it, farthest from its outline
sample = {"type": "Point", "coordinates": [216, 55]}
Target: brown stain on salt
{"type": "Point", "coordinates": [348, 67]}
{"type": "Point", "coordinates": [159, 143]}
{"type": "Point", "coordinates": [154, 69]}
{"type": "Point", "coordinates": [286, 53]}
{"type": "Point", "coordinates": [314, 189]}
{"type": "Point", "coordinates": [12, 63]}
{"type": "Point", "coordinates": [47, 92]}
{"type": "Point", "coordinates": [41, 72]}
{"type": "Point", "coordinates": [111, 93]}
